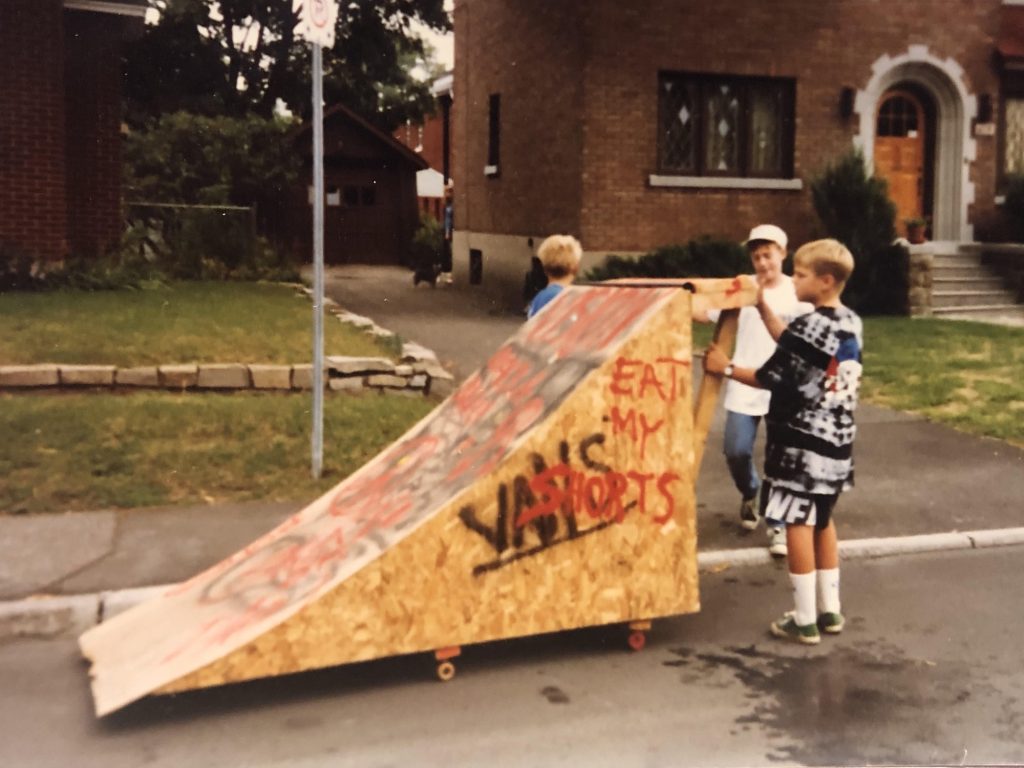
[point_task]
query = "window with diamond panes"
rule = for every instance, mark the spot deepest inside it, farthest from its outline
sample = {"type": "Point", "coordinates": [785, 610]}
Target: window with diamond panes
{"type": "Point", "coordinates": [1014, 136]}
{"type": "Point", "coordinates": [718, 126]}
{"type": "Point", "coordinates": [679, 120]}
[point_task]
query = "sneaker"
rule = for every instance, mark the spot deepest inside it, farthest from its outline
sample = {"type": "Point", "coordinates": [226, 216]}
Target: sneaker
{"type": "Point", "coordinates": [832, 623]}
{"type": "Point", "coordinates": [749, 514]}
{"type": "Point", "coordinates": [788, 629]}
{"type": "Point", "coordinates": [777, 541]}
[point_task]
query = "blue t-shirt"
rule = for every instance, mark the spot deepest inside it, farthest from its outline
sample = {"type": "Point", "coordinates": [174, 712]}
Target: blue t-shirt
{"type": "Point", "coordinates": [542, 298]}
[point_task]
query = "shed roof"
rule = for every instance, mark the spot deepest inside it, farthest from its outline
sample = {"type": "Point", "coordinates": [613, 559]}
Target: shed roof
{"type": "Point", "coordinates": [339, 112]}
{"type": "Point", "coordinates": [117, 7]}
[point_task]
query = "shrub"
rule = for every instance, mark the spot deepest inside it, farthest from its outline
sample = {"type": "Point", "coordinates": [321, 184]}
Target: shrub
{"type": "Point", "coordinates": [855, 209]}
{"type": "Point", "coordinates": [196, 243]}
{"type": "Point", "coordinates": [427, 246]}
{"type": "Point", "coordinates": [703, 257]}
{"type": "Point", "coordinates": [1013, 207]}
{"type": "Point", "coordinates": [17, 269]}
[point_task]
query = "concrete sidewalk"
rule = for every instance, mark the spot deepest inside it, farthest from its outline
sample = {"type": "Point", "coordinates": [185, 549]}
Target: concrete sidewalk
{"type": "Point", "coordinates": [920, 486]}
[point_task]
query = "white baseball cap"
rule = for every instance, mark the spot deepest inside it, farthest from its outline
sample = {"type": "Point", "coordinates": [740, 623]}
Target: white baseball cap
{"type": "Point", "coordinates": [768, 232]}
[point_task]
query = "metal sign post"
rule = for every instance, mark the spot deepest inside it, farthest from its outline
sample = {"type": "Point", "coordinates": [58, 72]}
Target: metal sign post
{"type": "Point", "coordinates": [317, 19]}
{"type": "Point", "coordinates": [318, 262]}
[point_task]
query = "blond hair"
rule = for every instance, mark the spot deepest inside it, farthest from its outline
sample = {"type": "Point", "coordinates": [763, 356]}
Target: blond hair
{"type": "Point", "coordinates": [826, 257]}
{"type": "Point", "coordinates": [560, 255]}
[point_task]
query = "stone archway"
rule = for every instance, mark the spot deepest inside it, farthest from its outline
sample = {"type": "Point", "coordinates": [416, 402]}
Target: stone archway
{"type": "Point", "coordinates": [955, 149]}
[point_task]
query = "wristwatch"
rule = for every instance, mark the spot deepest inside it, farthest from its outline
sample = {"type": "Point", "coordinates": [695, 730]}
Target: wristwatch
{"type": "Point", "coordinates": [728, 370]}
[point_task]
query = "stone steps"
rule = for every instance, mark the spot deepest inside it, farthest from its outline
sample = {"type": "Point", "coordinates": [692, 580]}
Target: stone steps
{"type": "Point", "coordinates": [942, 281]}
{"type": "Point", "coordinates": [943, 271]}
{"type": "Point", "coordinates": [944, 298]}
{"type": "Point", "coordinates": [963, 286]}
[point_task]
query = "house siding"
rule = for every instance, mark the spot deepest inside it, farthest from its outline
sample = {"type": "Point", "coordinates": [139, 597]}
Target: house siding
{"type": "Point", "coordinates": [591, 69]}
{"type": "Point", "coordinates": [33, 215]}
{"type": "Point", "coordinates": [530, 52]}
{"type": "Point", "coordinates": [93, 82]}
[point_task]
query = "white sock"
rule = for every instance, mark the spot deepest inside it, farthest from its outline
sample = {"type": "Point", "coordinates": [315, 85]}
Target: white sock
{"type": "Point", "coordinates": [803, 597]}
{"type": "Point", "coordinates": [828, 590]}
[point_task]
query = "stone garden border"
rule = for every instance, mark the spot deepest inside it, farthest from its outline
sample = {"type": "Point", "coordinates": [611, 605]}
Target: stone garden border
{"type": "Point", "coordinates": [417, 373]}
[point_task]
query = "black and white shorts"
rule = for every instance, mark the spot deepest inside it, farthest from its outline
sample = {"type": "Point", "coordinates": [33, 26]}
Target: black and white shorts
{"type": "Point", "coordinates": [782, 505]}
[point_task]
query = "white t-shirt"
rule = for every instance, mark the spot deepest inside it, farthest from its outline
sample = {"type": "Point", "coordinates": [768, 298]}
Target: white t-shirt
{"type": "Point", "coordinates": [754, 345]}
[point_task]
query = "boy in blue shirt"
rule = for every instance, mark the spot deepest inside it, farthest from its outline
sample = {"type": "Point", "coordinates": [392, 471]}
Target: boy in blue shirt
{"type": "Point", "coordinates": [814, 377]}
{"type": "Point", "coordinates": [560, 256]}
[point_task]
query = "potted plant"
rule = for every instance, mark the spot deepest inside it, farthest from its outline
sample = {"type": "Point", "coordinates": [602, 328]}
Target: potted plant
{"type": "Point", "coordinates": [915, 230]}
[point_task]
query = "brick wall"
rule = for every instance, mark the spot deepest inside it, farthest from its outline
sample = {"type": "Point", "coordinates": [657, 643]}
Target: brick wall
{"type": "Point", "coordinates": [531, 53]}
{"type": "Point", "coordinates": [32, 172]}
{"type": "Point", "coordinates": [823, 44]}
{"type": "Point", "coordinates": [428, 136]}
{"type": "Point", "coordinates": [582, 77]}
{"type": "Point", "coordinates": [93, 83]}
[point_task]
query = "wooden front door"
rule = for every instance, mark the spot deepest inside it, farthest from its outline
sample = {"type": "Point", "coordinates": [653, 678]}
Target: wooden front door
{"type": "Point", "coordinates": [900, 153]}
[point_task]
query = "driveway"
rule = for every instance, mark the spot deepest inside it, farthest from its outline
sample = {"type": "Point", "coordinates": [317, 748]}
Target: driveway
{"type": "Point", "coordinates": [456, 321]}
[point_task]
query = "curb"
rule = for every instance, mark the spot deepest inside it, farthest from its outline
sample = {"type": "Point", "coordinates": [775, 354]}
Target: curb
{"type": "Point", "coordinates": [53, 616]}
{"type": "Point", "coordinates": [860, 549]}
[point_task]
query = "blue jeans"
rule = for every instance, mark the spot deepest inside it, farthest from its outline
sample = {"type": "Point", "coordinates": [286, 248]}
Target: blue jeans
{"type": "Point", "coordinates": [740, 433]}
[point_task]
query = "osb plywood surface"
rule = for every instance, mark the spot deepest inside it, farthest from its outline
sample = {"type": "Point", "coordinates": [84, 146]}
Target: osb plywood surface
{"type": "Point", "coordinates": [462, 443]}
{"type": "Point", "coordinates": [708, 293]}
{"type": "Point", "coordinates": [552, 490]}
{"type": "Point", "coordinates": [590, 521]}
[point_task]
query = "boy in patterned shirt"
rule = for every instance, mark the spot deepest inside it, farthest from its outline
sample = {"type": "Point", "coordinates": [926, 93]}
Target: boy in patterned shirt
{"type": "Point", "coordinates": [814, 377]}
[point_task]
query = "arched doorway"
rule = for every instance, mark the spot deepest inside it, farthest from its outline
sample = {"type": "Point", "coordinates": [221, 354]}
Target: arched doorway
{"type": "Point", "coordinates": [905, 149]}
{"type": "Point", "coordinates": [949, 107]}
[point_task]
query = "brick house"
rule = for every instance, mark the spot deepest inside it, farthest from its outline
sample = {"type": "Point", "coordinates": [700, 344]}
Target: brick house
{"type": "Point", "coordinates": [431, 139]}
{"type": "Point", "coordinates": [635, 125]}
{"type": "Point", "coordinates": [60, 124]}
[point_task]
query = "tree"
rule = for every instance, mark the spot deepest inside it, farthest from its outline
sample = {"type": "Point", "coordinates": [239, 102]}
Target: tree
{"type": "Point", "coordinates": [854, 208]}
{"type": "Point", "coordinates": [237, 57]}
{"type": "Point", "coordinates": [193, 159]}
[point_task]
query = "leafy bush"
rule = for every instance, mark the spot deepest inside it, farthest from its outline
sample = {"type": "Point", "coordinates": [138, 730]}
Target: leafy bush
{"type": "Point", "coordinates": [191, 159]}
{"type": "Point", "coordinates": [855, 209]}
{"type": "Point", "coordinates": [207, 244]}
{"type": "Point", "coordinates": [1013, 207]}
{"type": "Point", "coordinates": [703, 257]}
{"type": "Point", "coordinates": [427, 246]}
{"type": "Point", "coordinates": [182, 160]}
{"type": "Point", "coordinates": [17, 269]}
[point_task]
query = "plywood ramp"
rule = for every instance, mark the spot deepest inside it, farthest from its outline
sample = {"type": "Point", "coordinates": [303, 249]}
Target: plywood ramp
{"type": "Point", "coordinates": [553, 490]}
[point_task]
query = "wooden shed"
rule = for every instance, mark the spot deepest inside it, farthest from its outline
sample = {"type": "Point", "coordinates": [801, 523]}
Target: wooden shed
{"type": "Point", "coordinates": [370, 187]}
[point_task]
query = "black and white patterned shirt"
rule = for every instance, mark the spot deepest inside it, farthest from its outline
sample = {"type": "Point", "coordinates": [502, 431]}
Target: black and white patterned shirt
{"type": "Point", "coordinates": [814, 376]}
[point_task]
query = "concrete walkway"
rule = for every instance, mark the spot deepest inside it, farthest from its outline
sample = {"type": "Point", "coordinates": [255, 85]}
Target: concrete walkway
{"type": "Point", "coordinates": [920, 486]}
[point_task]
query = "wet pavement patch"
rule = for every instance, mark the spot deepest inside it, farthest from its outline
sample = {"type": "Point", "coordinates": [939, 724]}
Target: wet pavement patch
{"type": "Point", "coordinates": [864, 705]}
{"type": "Point", "coordinates": [554, 695]}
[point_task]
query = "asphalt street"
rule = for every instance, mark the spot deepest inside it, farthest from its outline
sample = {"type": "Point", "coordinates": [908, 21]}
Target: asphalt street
{"type": "Point", "coordinates": [928, 671]}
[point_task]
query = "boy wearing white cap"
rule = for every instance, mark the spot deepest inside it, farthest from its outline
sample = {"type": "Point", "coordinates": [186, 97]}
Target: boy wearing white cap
{"type": "Point", "coordinates": [745, 405]}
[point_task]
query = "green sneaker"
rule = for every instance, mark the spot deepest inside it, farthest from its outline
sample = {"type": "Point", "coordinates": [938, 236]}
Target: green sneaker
{"type": "Point", "coordinates": [832, 623]}
{"type": "Point", "coordinates": [750, 515]}
{"type": "Point", "coordinates": [788, 629]}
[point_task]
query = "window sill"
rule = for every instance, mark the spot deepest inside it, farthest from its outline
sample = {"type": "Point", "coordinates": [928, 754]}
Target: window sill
{"type": "Point", "coordinates": [490, 170]}
{"type": "Point", "coordinates": [723, 182]}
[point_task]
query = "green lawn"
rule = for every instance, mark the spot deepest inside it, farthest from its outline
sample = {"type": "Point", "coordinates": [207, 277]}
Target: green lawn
{"type": "Point", "coordinates": [76, 451]}
{"type": "Point", "coordinates": [963, 374]}
{"type": "Point", "coordinates": [178, 323]}
{"type": "Point", "coordinates": [91, 451]}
